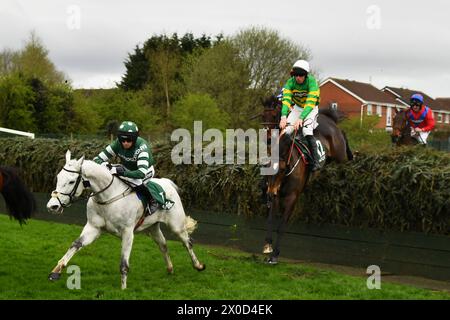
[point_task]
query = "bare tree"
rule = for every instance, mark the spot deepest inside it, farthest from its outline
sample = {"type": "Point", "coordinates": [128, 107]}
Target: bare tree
{"type": "Point", "coordinates": [268, 56]}
{"type": "Point", "coordinates": [7, 61]}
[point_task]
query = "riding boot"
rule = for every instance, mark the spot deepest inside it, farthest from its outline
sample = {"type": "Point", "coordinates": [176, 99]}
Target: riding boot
{"type": "Point", "coordinates": [314, 154]}
{"type": "Point", "coordinates": [152, 204]}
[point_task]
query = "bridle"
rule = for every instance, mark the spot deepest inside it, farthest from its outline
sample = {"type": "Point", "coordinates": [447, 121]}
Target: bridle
{"type": "Point", "coordinates": [86, 184]}
{"type": "Point", "coordinates": [402, 132]}
{"type": "Point", "coordinates": [269, 125]}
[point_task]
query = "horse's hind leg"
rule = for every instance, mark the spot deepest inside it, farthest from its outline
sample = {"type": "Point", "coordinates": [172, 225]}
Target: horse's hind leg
{"type": "Point", "coordinates": [187, 242]}
{"type": "Point", "coordinates": [158, 237]}
{"type": "Point", "coordinates": [88, 235]}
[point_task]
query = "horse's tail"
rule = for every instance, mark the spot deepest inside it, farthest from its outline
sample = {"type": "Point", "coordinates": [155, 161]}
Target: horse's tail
{"type": "Point", "coordinates": [347, 147]}
{"type": "Point", "coordinates": [190, 224]}
{"type": "Point", "coordinates": [20, 202]}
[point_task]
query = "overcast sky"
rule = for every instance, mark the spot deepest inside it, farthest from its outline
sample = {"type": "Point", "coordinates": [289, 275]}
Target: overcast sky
{"type": "Point", "coordinates": [396, 43]}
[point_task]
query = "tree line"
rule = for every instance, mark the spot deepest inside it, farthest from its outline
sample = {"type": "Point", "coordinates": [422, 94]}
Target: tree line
{"type": "Point", "coordinates": [169, 82]}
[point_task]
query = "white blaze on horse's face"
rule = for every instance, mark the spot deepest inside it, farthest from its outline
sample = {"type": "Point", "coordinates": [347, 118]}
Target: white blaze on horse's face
{"type": "Point", "coordinates": [68, 186]}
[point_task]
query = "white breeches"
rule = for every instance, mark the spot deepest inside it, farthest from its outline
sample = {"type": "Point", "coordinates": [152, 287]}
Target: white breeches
{"type": "Point", "coordinates": [309, 124]}
{"type": "Point", "coordinates": [138, 182]}
{"type": "Point", "coordinates": [421, 137]}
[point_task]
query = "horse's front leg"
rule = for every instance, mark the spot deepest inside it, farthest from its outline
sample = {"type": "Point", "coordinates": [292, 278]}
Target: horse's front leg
{"type": "Point", "coordinates": [288, 208]}
{"type": "Point", "coordinates": [88, 235]}
{"type": "Point", "coordinates": [127, 244]}
{"type": "Point", "coordinates": [270, 209]}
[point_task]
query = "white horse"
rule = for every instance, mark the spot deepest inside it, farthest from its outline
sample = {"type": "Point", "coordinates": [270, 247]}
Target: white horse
{"type": "Point", "coordinates": [115, 207]}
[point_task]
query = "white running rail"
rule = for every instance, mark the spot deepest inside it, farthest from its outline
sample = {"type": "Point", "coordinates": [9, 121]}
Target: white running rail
{"type": "Point", "coordinates": [21, 133]}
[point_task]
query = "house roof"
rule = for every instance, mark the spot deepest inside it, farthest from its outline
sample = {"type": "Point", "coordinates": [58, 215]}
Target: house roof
{"type": "Point", "coordinates": [444, 103]}
{"type": "Point", "coordinates": [364, 91]}
{"type": "Point", "coordinates": [405, 95]}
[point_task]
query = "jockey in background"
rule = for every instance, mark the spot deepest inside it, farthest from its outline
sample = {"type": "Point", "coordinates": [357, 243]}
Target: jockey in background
{"type": "Point", "coordinates": [420, 118]}
{"type": "Point", "coordinates": [301, 101]}
{"type": "Point", "coordinates": [136, 157]}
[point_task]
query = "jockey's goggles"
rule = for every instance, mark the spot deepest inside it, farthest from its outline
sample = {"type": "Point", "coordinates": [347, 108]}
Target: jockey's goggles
{"type": "Point", "coordinates": [299, 73]}
{"type": "Point", "coordinates": [415, 102]}
{"type": "Point", "coordinates": [125, 139]}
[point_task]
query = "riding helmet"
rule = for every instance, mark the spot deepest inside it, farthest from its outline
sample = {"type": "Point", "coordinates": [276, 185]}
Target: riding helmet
{"type": "Point", "coordinates": [128, 130]}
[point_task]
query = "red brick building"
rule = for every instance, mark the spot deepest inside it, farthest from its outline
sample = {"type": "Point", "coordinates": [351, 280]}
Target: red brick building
{"type": "Point", "coordinates": [357, 99]}
{"type": "Point", "coordinates": [445, 109]}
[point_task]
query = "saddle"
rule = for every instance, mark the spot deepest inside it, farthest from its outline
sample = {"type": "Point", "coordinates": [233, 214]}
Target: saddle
{"type": "Point", "coordinates": [148, 192]}
{"type": "Point", "coordinates": [301, 145]}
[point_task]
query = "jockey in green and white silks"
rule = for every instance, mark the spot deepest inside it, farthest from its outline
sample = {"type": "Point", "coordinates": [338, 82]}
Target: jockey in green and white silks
{"type": "Point", "coordinates": [135, 155]}
{"type": "Point", "coordinates": [137, 159]}
{"type": "Point", "coordinates": [300, 100]}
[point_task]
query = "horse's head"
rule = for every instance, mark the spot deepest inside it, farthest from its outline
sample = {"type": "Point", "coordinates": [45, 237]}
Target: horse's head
{"type": "Point", "coordinates": [68, 185]}
{"type": "Point", "coordinates": [400, 126]}
{"type": "Point", "coordinates": [272, 112]}
{"type": "Point", "coordinates": [271, 115]}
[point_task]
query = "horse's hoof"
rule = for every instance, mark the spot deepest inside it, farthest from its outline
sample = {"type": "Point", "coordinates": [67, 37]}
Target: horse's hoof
{"type": "Point", "coordinates": [267, 249]}
{"type": "Point", "coordinates": [170, 270]}
{"type": "Point", "coordinates": [54, 276]}
{"type": "Point", "coordinates": [201, 267]}
{"type": "Point", "coordinates": [272, 261]}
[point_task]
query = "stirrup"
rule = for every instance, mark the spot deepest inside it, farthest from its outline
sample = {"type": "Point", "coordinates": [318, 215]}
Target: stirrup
{"type": "Point", "coordinates": [151, 208]}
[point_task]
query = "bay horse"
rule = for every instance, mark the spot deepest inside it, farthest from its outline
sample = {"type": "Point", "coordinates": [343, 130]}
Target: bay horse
{"type": "Point", "coordinates": [285, 186]}
{"type": "Point", "coordinates": [113, 206]}
{"type": "Point", "coordinates": [401, 129]}
{"type": "Point", "coordinates": [20, 202]}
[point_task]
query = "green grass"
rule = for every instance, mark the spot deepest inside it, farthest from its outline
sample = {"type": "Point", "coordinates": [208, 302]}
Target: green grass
{"type": "Point", "coordinates": [29, 253]}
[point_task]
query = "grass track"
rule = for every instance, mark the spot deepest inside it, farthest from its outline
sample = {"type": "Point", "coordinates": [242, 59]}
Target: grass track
{"type": "Point", "coordinates": [29, 253]}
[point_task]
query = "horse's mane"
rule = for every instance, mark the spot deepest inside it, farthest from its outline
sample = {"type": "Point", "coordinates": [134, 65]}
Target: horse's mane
{"type": "Point", "coordinates": [270, 101]}
{"type": "Point", "coordinates": [334, 115]}
{"type": "Point", "coordinates": [96, 165]}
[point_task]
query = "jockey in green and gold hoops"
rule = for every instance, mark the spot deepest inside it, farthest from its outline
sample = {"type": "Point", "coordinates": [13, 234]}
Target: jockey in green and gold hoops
{"type": "Point", "coordinates": [301, 101]}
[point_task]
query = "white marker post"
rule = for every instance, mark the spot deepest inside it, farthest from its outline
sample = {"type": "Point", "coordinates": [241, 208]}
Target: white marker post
{"type": "Point", "coordinates": [20, 133]}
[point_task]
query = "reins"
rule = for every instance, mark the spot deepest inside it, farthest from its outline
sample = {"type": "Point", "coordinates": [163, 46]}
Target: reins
{"type": "Point", "coordinates": [87, 184]}
{"type": "Point", "coordinates": [292, 146]}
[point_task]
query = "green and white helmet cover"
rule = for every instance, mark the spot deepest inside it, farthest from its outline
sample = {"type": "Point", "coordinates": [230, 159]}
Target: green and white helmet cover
{"type": "Point", "coordinates": [128, 129]}
{"type": "Point", "coordinates": [128, 126]}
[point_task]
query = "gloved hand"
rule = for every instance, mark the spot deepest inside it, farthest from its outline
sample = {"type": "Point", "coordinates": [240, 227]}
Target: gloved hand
{"type": "Point", "coordinates": [298, 124]}
{"type": "Point", "coordinates": [118, 171]}
{"type": "Point", "coordinates": [283, 123]}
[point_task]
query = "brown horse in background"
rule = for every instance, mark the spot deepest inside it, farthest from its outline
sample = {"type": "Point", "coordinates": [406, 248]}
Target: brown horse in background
{"type": "Point", "coordinates": [20, 202]}
{"type": "Point", "coordinates": [401, 129]}
{"type": "Point", "coordinates": [284, 187]}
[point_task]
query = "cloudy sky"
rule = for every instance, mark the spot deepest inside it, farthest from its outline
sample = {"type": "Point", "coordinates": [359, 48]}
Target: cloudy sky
{"type": "Point", "coordinates": [397, 43]}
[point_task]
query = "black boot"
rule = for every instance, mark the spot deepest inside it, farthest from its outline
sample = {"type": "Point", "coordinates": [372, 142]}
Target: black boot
{"type": "Point", "coordinates": [152, 206]}
{"type": "Point", "coordinates": [315, 165]}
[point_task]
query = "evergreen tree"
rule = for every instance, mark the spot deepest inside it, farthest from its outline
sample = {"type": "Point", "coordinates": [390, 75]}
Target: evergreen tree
{"type": "Point", "coordinates": [137, 70]}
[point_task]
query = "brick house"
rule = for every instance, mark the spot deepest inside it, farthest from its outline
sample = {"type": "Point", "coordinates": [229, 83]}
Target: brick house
{"type": "Point", "coordinates": [445, 107]}
{"type": "Point", "coordinates": [440, 106]}
{"type": "Point", "coordinates": [356, 99]}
